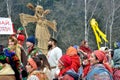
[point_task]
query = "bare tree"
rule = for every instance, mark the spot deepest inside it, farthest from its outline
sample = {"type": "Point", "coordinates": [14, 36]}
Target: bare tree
{"type": "Point", "coordinates": [86, 31]}
{"type": "Point", "coordinates": [112, 19]}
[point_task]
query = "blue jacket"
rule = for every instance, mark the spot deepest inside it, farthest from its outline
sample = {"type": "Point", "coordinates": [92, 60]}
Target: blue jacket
{"type": "Point", "coordinates": [99, 72]}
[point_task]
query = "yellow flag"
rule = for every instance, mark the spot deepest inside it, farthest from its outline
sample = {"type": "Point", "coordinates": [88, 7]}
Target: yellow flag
{"type": "Point", "coordinates": [98, 33]}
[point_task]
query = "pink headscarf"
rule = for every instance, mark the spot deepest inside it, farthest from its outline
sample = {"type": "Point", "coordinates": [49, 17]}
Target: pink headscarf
{"type": "Point", "coordinates": [101, 57]}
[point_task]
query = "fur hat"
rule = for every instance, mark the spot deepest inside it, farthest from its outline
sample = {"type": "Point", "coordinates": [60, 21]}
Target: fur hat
{"type": "Point", "coordinates": [65, 60]}
{"type": "Point", "coordinates": [31, 39]}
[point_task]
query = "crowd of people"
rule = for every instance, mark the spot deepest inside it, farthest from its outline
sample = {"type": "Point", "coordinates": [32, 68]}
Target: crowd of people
{"type": "Point", "coordinates": [79, 62]}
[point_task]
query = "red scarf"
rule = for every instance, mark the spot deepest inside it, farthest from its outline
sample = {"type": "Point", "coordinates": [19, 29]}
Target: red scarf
{"type": "Point", "coordinates": [86, 49]}
{"type": "Point", "coordinates": [86, 69]}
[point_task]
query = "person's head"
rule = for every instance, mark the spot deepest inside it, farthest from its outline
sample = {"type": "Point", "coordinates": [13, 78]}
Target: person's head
{"type": "Point", "coordinates": [71, 51]}
{"type": "Point", "coordinates": [116, 45]}
{"type": "Point", "coordinates": [64, 61]}
{"type": "Point", "coordinates": [106, 50]}
{"type": "Point", "coordinates": [52, 42]}
{"type": "Point", "coordinates": [85, 60]}
{"type": "Point", "coordinates": [31, 65]}
{"type": "Point", "coordinates": [96, 57]}
{"type": "Point", "coordinates": [41, 61]}
{"type": "Point", "coordinates": [76, 47]}
{"type": "Point", "coordinates": [39, 11]}
{"type": "Point", "coordinates": [30, 41]}
{"type": "Point", "coordinates": [21, 39]}
{"type": "Point", "coordinates": [84, 43]}
{"type": "Point", "coordinates": [12, 42]}
{"type": "Point", "coordinates": [20, 30]}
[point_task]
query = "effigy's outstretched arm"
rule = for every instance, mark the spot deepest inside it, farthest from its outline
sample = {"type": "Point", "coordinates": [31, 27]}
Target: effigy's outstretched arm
{"type": "Point", "coordinates": [52, 24]}
{"type": "Point", "coordinates": [25, 19]}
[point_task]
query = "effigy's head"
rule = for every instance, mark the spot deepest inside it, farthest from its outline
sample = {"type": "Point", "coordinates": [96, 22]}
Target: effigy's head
{"type": "Point", "coordinates": [39, 10]}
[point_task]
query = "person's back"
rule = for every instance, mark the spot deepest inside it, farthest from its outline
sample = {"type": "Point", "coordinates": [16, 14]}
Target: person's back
{"type": "Point", "coordinates": [98, 70]}
{"type": "Point", "coordinates": [37, 75]}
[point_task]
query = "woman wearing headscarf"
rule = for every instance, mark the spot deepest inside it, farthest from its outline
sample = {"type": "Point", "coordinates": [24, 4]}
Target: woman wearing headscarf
{"type": "Point", "coordinates": [84, 68]}
{"type": "Point", "coordinates": [72, 52]}
{"type": "Point", "coordinates": [38, 68]}
{"type": "Point", "coordinates": [66, 72]}
{"type": "Point", "coordinates": [84, 48]}
{"type": "Point", "coordinates": [98, 70]}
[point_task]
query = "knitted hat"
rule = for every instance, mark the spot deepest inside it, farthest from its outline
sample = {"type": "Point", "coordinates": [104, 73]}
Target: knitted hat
{"type": "Point", "coordinates": [65, 60]}
{"type": "Point", "coordinates": [100, 55]}
{"type": "Point", "coordinates": [31, 39]}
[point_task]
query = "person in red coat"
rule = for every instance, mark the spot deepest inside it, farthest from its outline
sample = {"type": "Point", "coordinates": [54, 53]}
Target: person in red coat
{"type": "Point", "coordinates": [20, 35]}
{"type": "Point", "coordinates": [72, 52]}
{"type": "Point", "coordinates": [85, 49]}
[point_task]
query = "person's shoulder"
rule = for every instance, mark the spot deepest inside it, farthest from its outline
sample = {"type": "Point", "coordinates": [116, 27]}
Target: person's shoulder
{"type": "Point", "coordinates": [36, 48]}
{"type": "Point", "coordinates": [117, 50]}
{"type": "Point", "coordinates": [33, 77]}
{"type": "Point", "coordinates": [58, 48]}
{"type": "Point", "coordinates": [68, 77]}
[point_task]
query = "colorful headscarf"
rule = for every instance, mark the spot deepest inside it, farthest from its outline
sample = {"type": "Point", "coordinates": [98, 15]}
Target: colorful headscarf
{"type": "Point", "coordinates": [100, 55]}
{"type": "Point", "coordinates": [32, 63]}
{"type": "Point", "coordinates": [71, 51]}
{"type": "Point", "coordinates": [65, 60]}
